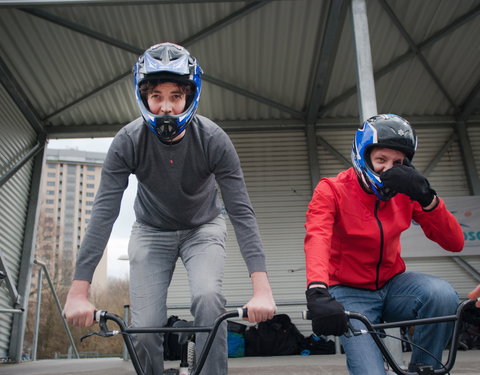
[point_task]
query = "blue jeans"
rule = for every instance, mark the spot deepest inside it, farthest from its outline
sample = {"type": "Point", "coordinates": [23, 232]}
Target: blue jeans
{"type": "Point", "coordinates": [153, 255]}
{"type": "Point", "coordinates": [410, 295]}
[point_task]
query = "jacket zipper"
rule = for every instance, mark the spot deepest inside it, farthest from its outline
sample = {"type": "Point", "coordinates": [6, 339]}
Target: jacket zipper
{"type": "Point", "coordinates": [377, 204]}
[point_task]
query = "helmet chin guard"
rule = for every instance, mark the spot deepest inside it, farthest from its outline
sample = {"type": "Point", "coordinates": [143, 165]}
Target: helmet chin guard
{"type": "Point", "coordinates": [386, 131]}
{"type": "Point", "coordinates": [168, 62]}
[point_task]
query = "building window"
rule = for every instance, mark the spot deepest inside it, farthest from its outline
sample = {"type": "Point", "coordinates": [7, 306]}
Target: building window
{"type": "Point", "coordinates": [49, 201]}
{"type": "Point", "coordinates": [91, 195]}
{"type": "Point", "coordinates": [51, 174]}
{"type": "Point", "coordinates": [90, 186]}
{"type": "Point", "coordinates": [50, 183]}
{"type": "Point", "coordinates": [90, 177]}
{"type": "Point", "coordinates": [89, 203]}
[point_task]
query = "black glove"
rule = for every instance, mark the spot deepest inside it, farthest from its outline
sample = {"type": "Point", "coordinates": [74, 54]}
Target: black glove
{"type": "Point", "coordinates": [328, 315]}
{"type": "Point", "coordinates": [407, 180]}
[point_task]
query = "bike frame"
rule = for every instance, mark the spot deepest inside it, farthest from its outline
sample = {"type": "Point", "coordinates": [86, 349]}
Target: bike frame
{"type": "Point", "coordinates": [103, 316]}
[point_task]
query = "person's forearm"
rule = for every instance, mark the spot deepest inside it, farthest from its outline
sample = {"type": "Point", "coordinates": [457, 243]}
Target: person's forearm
{"type": "Point", "coordinates": [79, 289]}
{"type": "Point", "coordinates": [260, 283]}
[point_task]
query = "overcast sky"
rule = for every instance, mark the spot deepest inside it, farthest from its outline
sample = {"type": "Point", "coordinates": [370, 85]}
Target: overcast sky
{"type": "Point", "coordinates": [118, 243]}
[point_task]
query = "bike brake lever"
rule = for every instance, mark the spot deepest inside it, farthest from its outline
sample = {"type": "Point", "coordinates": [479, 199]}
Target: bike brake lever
{"type": "Point", "coordinates": [102, 323]}
{"type": "Point", "coordinates": [100, 333]}
{"type": "Point", "coordinates": [87, 336]}
{"type": "Point", "coordinates": [352, 331]}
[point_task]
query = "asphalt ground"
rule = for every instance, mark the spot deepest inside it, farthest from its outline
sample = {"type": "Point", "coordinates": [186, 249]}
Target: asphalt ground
{"type": "Point", "coordinates": [467, 363]}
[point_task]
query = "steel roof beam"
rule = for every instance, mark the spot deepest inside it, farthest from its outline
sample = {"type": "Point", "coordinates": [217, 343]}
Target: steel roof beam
{"type": "Point", "coordinates": [467, 108]}
{"type": "Point", "coordinates": [346, 162]}
{"type": "Point", "coordinates": [22, 3]}
{"type": "Point", "coordinates": [468, 158]}
{"type": "Point", "coordinates": [20, 99]}
{"type": "Point", "coordinates": [248, 94]}
{"type": "Point", "coordinates": [438, 157]}
{"type": "Point", "coordinates": [109, 130]}
{"type": "Point", "coordinates": [252, 6]}
{"type": "Point", "coordinates": [417, 52]}
{"type": "Point", "coordinates": [87, 96]}
{"type": "Point", "coordinates": [137, 51]}
{"type": "Point", "coordinates": [443, 32]}
{"type": "Point", "coordinates": [82, 30]}
{"type": "Point", "coordinates": [324, 62]}
{"type": "Point", "coordinates": [242, 12]}
{"type": "Point", "coordinates": [470, 104]}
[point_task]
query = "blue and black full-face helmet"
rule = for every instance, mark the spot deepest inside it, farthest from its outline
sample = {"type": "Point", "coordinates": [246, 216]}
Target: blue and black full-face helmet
{"type": "Point", "coordinates": [387, 131]}
{"type": "Point", "coordinates": [168, 62]}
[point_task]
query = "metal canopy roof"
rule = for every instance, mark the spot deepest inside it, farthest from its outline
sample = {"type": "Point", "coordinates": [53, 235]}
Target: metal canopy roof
{"type": "Point", "coordinates": [273, 63]}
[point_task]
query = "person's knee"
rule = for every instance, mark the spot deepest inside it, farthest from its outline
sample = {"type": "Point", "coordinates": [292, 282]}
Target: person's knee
{"type": "Point", "coordinates": [439, 296]}
{"type": "Point", "coordinates": [208, 298]}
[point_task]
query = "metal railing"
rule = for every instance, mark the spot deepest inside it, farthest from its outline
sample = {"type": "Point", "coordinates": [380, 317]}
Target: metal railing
{"type": "Point", "coordinates": [43, 271]}
{"type": "Point", "coordinates": [6, 277]}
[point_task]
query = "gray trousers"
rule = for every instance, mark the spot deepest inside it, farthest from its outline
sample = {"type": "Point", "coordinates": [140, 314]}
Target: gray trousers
{"type": "Point", "coordinates": [153, 255]}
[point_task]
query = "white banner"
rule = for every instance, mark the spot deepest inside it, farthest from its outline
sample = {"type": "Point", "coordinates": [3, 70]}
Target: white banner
{"type": "Point", "coordinates": [467, 212]}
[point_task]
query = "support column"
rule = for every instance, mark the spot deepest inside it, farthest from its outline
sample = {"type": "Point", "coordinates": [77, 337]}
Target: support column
{"type": "Point", "coordinates": [312, 155]}
{"type": "Point", "coordinates": [367, 103]}
{"type": "Point", "coordinates": [28, 250]}
{"type": "Point", "coordinates": [367, 106]}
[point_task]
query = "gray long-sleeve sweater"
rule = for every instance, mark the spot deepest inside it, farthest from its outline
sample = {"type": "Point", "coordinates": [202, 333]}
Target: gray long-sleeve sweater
{"type": "Point", "coordinates": [176, 189]}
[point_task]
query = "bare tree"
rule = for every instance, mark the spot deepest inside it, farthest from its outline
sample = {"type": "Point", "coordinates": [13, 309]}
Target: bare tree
{"type": "Point", "coordinates": [52, 339]}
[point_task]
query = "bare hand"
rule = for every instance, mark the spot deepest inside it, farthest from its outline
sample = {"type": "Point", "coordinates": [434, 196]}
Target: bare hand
{"type": "Point", "coordinates": [474, 294]}
{"type": "Point", "coordinates": [78, 309]}
{"type": "Point", "coordinates": [261, 306]}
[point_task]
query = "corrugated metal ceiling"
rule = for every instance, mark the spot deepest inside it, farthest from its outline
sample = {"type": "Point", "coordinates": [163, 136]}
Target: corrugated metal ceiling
{"type": "Point", "coordinates": [73, 59]}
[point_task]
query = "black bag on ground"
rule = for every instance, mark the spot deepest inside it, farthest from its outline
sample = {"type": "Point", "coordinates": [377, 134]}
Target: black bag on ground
{"type": "Point", "coordinates": [317, 345]}
{"type": "Point", "coordinates": [277, 336]}
{"type": "Point", "coordinates": [171, 345]}
{"type": "Point", "coordinates": [470, 329]}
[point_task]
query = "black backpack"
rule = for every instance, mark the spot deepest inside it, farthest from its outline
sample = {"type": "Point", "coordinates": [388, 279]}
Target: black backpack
{"type": "Point", "coordinates": [277, 336]}
{"type": "Point", "coordinates": [171, 344]}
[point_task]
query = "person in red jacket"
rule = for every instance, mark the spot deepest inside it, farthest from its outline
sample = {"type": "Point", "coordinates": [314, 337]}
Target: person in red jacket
{"type": "Point", "coordinates": [353, 251]}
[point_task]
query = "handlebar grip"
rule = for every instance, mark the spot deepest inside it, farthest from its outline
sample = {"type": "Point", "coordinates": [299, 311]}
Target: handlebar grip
{"type": "Point", "coordinates": [97, 315]}
{"type": "Point", "coordinates": [242, 312]}
{"type": "Point", "coordinates": [306, 315]}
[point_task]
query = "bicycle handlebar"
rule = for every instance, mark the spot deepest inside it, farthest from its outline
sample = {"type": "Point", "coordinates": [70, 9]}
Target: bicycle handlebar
{"type": "Point", "coordinates": [241, 312]}
{"type": "Point", "coordinates": [374, 331]}
{"type": "Point", "coordinates": [101, 316]}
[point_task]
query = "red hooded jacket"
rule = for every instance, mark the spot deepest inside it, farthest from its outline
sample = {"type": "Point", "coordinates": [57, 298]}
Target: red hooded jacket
{"type": "Point", "coordinates": [353, 238]}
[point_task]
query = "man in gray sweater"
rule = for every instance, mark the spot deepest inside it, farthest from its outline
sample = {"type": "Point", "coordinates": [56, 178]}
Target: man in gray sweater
{"type": "Point", "coordinates": [178, 158]}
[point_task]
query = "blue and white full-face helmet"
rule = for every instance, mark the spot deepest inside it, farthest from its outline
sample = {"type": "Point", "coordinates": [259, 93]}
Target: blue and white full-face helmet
{"type": "Point", "coordinates": [387, 131]}
{"type": "Point", "coordinates": [168, 62]}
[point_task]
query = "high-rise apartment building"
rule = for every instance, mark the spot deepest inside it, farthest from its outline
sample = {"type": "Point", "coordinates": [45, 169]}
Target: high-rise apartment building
{"type": "Point", "coordinates": [69, 183]}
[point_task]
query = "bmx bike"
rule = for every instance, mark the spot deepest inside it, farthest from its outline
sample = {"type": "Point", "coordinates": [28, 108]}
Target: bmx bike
{"type": "Point", "coordinates": [186, 367]}
{"type": "Point", "coordinates": [377, 333]}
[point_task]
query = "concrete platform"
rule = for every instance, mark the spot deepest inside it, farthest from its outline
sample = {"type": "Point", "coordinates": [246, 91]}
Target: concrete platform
{"type": "Point", "coordinates": [467, 363]}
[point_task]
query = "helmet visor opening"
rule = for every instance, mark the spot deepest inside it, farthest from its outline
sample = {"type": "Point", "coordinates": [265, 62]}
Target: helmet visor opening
{"type": "Point", "coordinates": [147, 85]}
